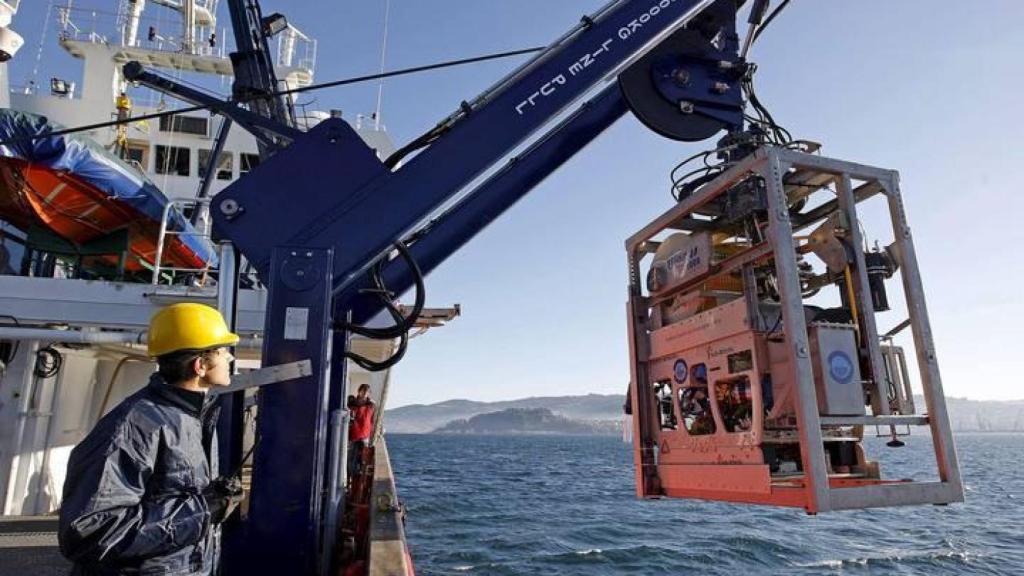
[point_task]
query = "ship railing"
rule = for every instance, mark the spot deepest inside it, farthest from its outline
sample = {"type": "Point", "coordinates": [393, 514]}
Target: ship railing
{"type": "Point", "coordinates": [100, 26]}
{"type": "Point", "coordinates": [295, 48]}
{"type": "Point", "coordinates": [28, 88]}
{"type": "Point", "coordinates": [202, 227]}
{"type": "Point", "coordinates": [87, 27]}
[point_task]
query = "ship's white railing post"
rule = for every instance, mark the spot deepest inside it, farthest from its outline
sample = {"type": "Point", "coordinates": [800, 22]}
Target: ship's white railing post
{"type": "Point", "coordinates": [160, 244]}
{"type": "Point", "coordinates": [199, 205]}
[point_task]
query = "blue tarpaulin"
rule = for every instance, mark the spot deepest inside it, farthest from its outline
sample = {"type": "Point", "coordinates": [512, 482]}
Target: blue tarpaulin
{"type": "Point", "coordinates": [28, 139]}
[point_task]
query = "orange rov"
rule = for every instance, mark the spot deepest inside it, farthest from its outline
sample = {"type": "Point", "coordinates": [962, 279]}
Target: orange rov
{"type": "Point", "coordinates": [757, 362]}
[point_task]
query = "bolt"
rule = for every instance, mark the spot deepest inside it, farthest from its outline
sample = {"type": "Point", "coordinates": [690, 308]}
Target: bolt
{"type": "Point", "coordinates": [686, 107]}
{"type": "Point", "coordinates": [229, 207]}
{"type": "Point", "coordinates": [720, 87]}
{"type": "Point", "coordinates": [681, 77]}
{"type": "Point", "coordinates": [801, 351]}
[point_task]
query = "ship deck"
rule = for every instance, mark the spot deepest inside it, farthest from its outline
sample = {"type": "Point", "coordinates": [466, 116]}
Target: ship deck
{"type": "Point", "coordinates": [28, 545]}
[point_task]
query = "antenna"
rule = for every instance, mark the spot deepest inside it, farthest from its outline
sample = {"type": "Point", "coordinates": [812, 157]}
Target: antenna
{"type": "Point", "coordinates": [42, 40]}
{"type": "Point", "coordinates": [383, 52]}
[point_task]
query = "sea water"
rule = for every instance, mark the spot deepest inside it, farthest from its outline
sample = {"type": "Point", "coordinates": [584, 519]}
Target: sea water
{"type": "Point", "coordinates": [566, 505]}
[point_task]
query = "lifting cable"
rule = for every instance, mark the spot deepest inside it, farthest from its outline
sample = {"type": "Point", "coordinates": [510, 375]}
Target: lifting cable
{"type": "Point", "coordinates": [343, 82]}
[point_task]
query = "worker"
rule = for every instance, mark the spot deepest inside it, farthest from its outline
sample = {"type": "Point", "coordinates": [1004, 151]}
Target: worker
{"type": "Point", "coordinates": [360, 428]}
{"type": "Point", "coordinates": [123, 104]}
{"type": "Point", "coordinates": [142, 494]}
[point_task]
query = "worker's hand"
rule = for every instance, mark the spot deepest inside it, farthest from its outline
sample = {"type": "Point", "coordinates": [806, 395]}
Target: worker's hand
{"type": "Point", "coordinates": [222, 497]}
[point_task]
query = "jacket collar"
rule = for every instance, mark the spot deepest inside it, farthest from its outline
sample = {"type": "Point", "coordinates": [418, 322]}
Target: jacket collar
{"type": "Point", "coordinates": [189, 401]}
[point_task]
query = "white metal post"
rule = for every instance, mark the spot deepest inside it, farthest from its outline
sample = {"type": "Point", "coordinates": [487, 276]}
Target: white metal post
{"type": "Point", "coordinates": [862, 291]}
{"type": "Point", "coordinates": [931, 381]}
{"type": "Point", "coordinates": [780, 235]}
{"type": "Point", "coordinates": [161, 238]}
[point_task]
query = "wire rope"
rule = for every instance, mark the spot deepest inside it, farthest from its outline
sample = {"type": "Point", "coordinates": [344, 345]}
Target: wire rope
{"type": "Point", "coordinates": [332, 84]}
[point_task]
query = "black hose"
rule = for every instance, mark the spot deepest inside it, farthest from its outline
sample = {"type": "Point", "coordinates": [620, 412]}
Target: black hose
{"type": "Point", "coordinates": [9, 349]}
{"type": "Point", "coordinates": [48, 362]}
{"type": "Point", "coordinates": [420, 142]}
{"type": "Point", "coordinates": [373, 365]}
{"type": "Point", "coordinates": [402, 323]}
{"type": "Point", "coordinates": [768, 20]}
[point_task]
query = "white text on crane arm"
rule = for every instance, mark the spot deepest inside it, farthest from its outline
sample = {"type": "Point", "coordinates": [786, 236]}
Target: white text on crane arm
{"type": "Point", "coordinates": [588, 59]}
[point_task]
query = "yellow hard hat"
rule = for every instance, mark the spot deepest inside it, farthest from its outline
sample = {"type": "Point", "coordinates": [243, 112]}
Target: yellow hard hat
{"type": "Point", "coordinates": [188, 326]}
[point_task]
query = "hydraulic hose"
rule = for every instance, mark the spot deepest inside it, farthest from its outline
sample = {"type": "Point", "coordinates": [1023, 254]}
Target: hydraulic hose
{"type": "Point", "coordinates": [402, 323]}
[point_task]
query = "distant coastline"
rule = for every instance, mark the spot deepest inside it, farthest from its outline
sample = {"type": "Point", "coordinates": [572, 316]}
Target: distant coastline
{"type": "Point", "coordinates": [529, 421]}
{"type": "Point", "coordinates": [601, 414]}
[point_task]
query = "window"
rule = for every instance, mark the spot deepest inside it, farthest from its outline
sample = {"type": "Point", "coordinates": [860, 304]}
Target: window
{"type": "Point", "coordinates": [224, 164]}
{"type": "Point", "coordinates": [736, 403]}
{"type": "Point", "coordinates": [185, 125]}
{"type": "Point", "coordinates": [695, 403]}
{"type": "Point", "coordinates": [138, 154]}
{"type": "Point", "coordinates": [247, 162]}
{"type": "Point", "coordinates": [666, 414]}
{"type": "Point", "coordinates": [740, 362]}
{"type": "Point", "coordinates": [172, 160]}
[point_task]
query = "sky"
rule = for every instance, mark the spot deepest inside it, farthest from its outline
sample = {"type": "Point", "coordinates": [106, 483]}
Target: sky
{"type": "Point", "coordinates": [930, 88]}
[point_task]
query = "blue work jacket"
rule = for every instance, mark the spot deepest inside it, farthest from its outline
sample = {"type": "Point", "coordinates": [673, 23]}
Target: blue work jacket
{"type": "Point", "coordinates": [133, 501]}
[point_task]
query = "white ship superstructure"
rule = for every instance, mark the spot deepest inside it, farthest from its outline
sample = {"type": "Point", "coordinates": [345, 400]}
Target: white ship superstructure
{"type": "Point", "coordinates": [172, 151]}
{"type": "Point", "coordinates": [71, 349]}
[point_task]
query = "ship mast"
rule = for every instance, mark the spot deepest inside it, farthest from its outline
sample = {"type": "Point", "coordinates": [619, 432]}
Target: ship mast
{"type": "Point", "coordinates": [131, 28]}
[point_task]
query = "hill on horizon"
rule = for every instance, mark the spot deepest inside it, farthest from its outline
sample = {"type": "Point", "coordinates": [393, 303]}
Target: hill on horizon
{"type": "Point", "coordinates": [965, 415]}
{"type": "Point", "coordinates": [424, 418]}
{"type": "Point", "coordinates": [519, 421]}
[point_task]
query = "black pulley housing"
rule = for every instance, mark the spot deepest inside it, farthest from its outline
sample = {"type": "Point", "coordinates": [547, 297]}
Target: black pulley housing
{"type": "Point", "coordinates": [688, 87]}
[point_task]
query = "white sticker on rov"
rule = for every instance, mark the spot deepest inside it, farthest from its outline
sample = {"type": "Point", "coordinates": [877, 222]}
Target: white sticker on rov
{"type": "Point", "coordinates": [296, 323]}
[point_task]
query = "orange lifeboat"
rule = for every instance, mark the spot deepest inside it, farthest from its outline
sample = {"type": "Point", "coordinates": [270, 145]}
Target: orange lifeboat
{"type": "Point", "coordinates": [75, 189]}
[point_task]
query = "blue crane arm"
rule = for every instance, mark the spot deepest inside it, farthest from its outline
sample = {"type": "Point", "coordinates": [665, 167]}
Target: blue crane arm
{"type": "Point", "coordinates": [485, 203]}
{"type": "Point", "coordinates": [317, 214]}
{"type": "Point", "coordinates": [329, 190]}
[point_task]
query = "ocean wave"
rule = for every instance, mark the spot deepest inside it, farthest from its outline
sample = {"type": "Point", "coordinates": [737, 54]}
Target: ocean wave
{"type": "Point", "coordinates": [565, 507]}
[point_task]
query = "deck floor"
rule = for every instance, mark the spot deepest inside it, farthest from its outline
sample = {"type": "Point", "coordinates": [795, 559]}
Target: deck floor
{"type": "Point", "coordinates": [28, 545]}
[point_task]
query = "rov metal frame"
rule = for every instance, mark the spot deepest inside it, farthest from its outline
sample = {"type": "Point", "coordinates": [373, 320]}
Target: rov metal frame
{"type": "Point", "coordinates": [820, 495]}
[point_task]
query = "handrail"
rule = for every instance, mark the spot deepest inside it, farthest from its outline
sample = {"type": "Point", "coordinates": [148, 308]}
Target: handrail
{"type": "Point", "coordinates": [162, 238]}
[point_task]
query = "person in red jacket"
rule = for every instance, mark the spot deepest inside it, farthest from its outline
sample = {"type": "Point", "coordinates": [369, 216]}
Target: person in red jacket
{"type": "Point", "coordinates": [360, 428]}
